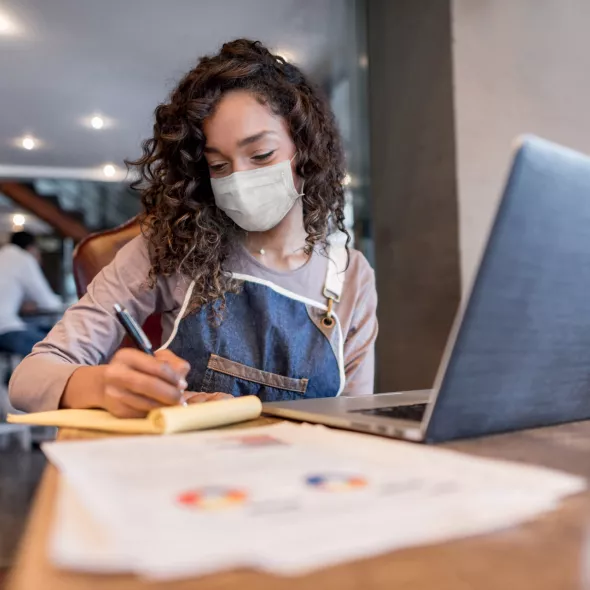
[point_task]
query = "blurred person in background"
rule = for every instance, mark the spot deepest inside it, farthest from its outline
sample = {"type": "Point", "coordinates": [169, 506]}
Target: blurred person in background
{"type": "Point", "coordinates": [242, 189]}
{"type": "Point", "coordinates": [22, 284]}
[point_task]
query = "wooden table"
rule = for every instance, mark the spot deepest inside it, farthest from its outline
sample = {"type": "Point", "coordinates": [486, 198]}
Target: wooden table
{"type": "Point", "coordinates": [544, 554]}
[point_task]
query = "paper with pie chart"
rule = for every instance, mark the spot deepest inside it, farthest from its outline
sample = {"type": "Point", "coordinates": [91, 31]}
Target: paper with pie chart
{"type": "Point", "coordinates": [285, 498]}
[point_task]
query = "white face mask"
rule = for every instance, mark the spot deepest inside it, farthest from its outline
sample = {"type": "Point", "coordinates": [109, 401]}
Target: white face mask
{"type": "Point", "coordinates": [257, 200]}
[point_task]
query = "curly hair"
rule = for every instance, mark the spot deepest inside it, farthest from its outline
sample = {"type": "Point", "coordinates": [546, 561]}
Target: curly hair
{"type": "Point", "coordinates": [185, 230]}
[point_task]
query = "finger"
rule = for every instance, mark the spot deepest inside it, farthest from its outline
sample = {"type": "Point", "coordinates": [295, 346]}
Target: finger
{"type": "Point", "coordinates": [132, 400]}
{"type": "Point", "coordinates": [219, 396]}
{"type": "Point", "coordinates": [145, 363]}
{"type": "Point", "coordinates": [195, 398]}
{"type": "Point", "coordinates": [199, 398]}
{"type": "Point", "coordinates": [126, 379]}
{"type": "Point", "coordinates": [179, 365]}
{"type": "Point", "coordinates": [121, 410]}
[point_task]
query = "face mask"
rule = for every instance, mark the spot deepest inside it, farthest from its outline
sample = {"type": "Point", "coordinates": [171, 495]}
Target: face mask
{"type": "Point", "coordinates": [257, 200]}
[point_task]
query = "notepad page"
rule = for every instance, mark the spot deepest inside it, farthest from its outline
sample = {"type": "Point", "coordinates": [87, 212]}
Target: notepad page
{"type": "Point", "coordinates": [166, 420]}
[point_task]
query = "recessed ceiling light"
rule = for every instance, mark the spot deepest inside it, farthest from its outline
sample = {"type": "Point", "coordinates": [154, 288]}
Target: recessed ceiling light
{"type": "Point", "coordinates": [97, 122]}
{"type": "Point", "coordinates": [18, 220]}
{"type": "Point", "coordinates": [287, 55]}
{"type": "Point", "coordinates": [109, 170]}
{"type": "Point", "coordinates": [28, 143]}
{"type": "Point", "coordinates": [7, 27]}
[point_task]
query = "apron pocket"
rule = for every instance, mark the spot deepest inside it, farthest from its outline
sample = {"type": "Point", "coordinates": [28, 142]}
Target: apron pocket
{"type": "Point", "coordinates": [219, 365]}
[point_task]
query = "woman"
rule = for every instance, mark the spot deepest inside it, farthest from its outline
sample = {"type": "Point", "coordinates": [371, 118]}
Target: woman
{"type": "Point", "coordinates": [242, 188]}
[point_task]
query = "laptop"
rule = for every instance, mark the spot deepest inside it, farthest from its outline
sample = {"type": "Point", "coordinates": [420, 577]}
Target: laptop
{"type": "Point", "coordinates": [519, 353]}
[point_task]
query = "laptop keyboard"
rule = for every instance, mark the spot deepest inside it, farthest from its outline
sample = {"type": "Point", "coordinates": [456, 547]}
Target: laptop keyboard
{"type": "Point", "coordinates": [414, 412]}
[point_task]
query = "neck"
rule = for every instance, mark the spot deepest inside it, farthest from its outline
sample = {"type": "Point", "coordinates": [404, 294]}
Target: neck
{"type": "Point", "coordinates": [284, 239]}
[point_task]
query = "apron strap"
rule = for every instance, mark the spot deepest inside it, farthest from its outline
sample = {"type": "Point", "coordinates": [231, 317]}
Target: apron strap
{"type": "Point", "coordinates": [335, 275]}
{"type": "Point", "coordinates": [337, 260]}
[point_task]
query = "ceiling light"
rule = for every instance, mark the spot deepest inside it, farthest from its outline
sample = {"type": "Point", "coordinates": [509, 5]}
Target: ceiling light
{"type": "Point", "coordinates": [28, 143]}
{"type": "Point", "coordinates": [97, 122]}
{"type": "Point", "coordinates": [7, 27]}
{"type": "Point", "coordinates": [18, 220]}
{"type": "Point", "coordinates": [287, 55]}
{"type": "Point", "coordinates": [109, 170]}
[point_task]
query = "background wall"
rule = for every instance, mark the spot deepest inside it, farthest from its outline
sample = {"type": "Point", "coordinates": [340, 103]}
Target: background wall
{"type": "Point", "coordinates": [519, 66]}
{"type": "Point", "coordinates": [413, 187]}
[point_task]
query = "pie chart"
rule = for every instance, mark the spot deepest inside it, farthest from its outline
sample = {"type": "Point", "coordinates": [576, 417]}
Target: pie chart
{"type": "Point", "coordinates": [336, 482]}
{"type": "Point", "coordinates": [212, 498]}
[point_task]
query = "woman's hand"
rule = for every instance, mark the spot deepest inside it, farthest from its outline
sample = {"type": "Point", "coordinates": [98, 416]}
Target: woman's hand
{"type": "Point", "coordinates": [135, 382]}
{"type": "Point", "coordinates": [192, 397]}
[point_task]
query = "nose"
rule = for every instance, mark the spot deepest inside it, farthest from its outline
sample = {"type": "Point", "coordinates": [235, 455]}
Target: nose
{"type": "Point", "coordinates": [242, 164]}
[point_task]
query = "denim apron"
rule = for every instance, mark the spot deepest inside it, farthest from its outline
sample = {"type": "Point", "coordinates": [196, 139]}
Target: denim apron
{"type": "Point", "coordinates": [271, 342]}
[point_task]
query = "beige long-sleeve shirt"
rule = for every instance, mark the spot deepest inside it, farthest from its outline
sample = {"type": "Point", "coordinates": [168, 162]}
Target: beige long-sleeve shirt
{"type": "Point", "coordinates": [89, 333]}
{"type": "Point", "coordinates": [21, 279]}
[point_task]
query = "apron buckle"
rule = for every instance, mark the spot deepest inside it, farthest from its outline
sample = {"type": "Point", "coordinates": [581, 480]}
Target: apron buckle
{"type": "Point", "coordinates": [328, 319]}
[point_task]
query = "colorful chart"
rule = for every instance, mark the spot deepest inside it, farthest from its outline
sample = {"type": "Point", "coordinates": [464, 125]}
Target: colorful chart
{"type": "Point", "coordinates": [212, 498]}
{"type": "Point", "coordinates": [336, 482]}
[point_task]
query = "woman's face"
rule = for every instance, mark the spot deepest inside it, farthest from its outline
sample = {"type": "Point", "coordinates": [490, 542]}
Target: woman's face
{"type": "Point", "coordinates": [243, 134]}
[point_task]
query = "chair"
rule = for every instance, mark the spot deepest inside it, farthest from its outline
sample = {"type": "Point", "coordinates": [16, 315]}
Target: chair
{"type": "Point", "coordinates": [96, 251]}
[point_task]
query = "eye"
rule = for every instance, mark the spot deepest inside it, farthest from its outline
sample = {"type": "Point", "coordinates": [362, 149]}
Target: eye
{"type": "Point", "coordinates": [217, 167]}
{"type": "Point", "coordinates": [263, 157]}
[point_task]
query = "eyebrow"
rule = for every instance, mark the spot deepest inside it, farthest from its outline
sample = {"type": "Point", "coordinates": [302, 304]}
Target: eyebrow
{"type": "Point", "coordinates": [243, 142]}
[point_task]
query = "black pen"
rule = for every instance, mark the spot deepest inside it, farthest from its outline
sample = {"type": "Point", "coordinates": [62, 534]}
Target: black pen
{"type": "Point", "coordinates": [133, 330]}
{"type": "Point", "coordinates": [139, 338]}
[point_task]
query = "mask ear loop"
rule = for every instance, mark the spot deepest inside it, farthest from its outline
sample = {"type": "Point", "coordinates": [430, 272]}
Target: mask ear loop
{"type": "Point", "coordinates": [300, 193]}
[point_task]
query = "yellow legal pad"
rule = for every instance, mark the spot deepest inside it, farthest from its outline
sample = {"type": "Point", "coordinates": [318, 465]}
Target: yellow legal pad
{"type": "Point", "coordinates": [161, 421]}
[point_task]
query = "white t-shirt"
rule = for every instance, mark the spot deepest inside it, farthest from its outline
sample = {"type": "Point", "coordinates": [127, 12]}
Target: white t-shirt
{"type": "Point", "coordinates": [21, 279]}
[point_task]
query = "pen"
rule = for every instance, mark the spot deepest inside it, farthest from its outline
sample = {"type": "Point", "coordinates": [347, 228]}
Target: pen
{"type": "Point", "coordinates": [137, 335]}
{"type": "Point", "coordinates": [133, 330]}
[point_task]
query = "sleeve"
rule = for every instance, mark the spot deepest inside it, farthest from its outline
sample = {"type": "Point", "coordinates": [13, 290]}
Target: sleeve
{"type": "Point", "coordinates": [35, 286]}
{"type": "Point", "coordinates": [359, 344]}
{"type": "Point", "coordinates": [88, 333]}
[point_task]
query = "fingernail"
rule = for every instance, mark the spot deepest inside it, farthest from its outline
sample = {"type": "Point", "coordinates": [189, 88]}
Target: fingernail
{"type": "Point", "coordinates": [182, 384]}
